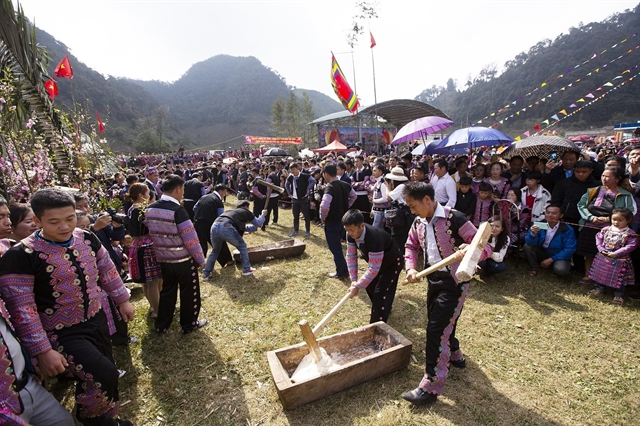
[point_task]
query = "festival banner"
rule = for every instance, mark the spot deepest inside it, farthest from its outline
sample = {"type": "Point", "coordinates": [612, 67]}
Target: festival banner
{"type": "Point", "coordinates": [263, 140]}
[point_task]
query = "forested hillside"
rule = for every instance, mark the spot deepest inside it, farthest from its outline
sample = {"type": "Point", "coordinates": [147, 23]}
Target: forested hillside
{"type": "Point", "coordinates": [588, 60]}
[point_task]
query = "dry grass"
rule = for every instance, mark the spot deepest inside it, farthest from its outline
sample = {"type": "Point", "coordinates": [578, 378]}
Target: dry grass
{"type": "Point", "coordinates": [539, 351]}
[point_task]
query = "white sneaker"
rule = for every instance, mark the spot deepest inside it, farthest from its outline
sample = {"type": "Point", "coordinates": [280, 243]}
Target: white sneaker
{"type": "Point", "coordinates": [121, 373]}
{"type": "Point", "coordinates": [249, 272]}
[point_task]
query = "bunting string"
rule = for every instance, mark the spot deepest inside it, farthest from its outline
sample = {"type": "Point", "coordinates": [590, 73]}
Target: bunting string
{"type": "Point", "coordinates": [562, 76]}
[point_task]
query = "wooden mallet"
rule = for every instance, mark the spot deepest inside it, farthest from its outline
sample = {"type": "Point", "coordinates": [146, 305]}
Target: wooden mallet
{"type": "Point", "coordinates": [309, 335]}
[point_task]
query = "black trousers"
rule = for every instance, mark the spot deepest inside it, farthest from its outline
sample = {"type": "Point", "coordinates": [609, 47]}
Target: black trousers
{"type": "Point", "coordinates": [272, 206]}
{"type": "Point", "coordinates": [445, 300]}
{"type": "Point", "coordinates": [183, 276]}
{"type": "Point", "coordinates": [382, 291]}
{"type": "Point", "coordinates": [204, 236]}
{"type": "Point", "coordinates": [188, 206]}
{"type": "Point", "coordinates": [362, 203]}
{"type": "Point", "coordinates": [297, 207]}
{"type": "Point", "coordinates": [258, 206]}
{"type": "Point", "coordinates": [121, 336]}
{"type": "Point", "coordinates": [87, 348]}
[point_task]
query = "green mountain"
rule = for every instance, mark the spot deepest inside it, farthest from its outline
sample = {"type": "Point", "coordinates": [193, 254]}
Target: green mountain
{"type": "Point", "coordinates": [212, 105]}
{"type": "Point", "coordinates": [569, 71]}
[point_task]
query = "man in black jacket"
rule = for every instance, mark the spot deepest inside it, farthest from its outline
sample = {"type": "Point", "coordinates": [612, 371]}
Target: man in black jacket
{"type": "Point", "coordinates": [298, 185]}
{"type": "Point", "coordinates": [383, 257]}
{"type": "Point", "coordinates": [207, 211]}
{"type": "Point", "coordinates": [568, 192]}
{"type": "Point", "coordinates": [193, 191]}
{"type": "Point", "coordinates": [558, 173]}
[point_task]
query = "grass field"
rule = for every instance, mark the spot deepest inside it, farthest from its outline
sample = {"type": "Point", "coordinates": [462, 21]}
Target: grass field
{"type": "Point", "coordinates": [539, 352]}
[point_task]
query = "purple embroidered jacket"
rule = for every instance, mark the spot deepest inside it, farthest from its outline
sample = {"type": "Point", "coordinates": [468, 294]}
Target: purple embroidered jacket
{"type": "Point", "coordinates": [48, 287]}
{"type": "Point", "coordinates": [450, 231]}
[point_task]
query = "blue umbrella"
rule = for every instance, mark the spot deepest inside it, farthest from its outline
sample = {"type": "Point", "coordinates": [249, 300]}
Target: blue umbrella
{"type": "Point", "coordinates": [430, 148]}
{"type": "Point", "coordinates": [460, 141]}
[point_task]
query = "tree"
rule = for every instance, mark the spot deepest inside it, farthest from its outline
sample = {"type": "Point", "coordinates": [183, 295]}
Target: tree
{"type": "Point", "coordinates": [365, 10]}
{"type": "Point", "coordinates": [277, 117]}
{"type": "Point", "coordinates": [292, 116]}
{"type": "Point", "coordinates": [307, 118]}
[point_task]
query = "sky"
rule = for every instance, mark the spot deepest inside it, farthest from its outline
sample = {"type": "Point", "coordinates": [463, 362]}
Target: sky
{"type": "Point", "coordinates": [418, 43]}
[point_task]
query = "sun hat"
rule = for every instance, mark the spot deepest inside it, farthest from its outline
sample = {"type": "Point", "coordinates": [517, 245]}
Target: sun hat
{"type": "Point", "coordinates": [397, 173]}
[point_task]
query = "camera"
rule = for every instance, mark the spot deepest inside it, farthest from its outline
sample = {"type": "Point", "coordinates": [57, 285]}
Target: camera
{"type": "Point", "coordinates": [115, 216]}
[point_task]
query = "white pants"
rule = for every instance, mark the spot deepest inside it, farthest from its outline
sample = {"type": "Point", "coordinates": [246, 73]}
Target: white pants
{"type": "Point", "coordinates": [41, 408]}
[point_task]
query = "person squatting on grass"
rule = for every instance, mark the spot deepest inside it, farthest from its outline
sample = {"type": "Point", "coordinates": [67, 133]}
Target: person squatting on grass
{"type": "Point", "coordinates": [383, 258]}
{"type": "Point", "coordinates": [53, 281]}
{"type": "Point", "coordinates": [437, 231]}
{"type": "Point", "coordinates": [612, 266]}
{"type": "Point", "coordinates": [499, 245]}
{"type": "Point", "coordinates": [551, 247]}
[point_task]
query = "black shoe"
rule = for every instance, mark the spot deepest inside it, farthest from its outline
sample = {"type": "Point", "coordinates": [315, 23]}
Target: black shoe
{"type": "Point", "coordinates": [419, 396]}
{"type": "Point", "coordinates": [461, 363]}
{"type": "Point", "coordinates": [336, 276]}
{"type": "Point", "coordinates": [123, 422]}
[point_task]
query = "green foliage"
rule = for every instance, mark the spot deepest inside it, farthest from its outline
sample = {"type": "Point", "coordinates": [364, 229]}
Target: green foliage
{"type": "Point", "coordinates": [277, 117]}
{"type": "Point", "coordinates": [492, 89]}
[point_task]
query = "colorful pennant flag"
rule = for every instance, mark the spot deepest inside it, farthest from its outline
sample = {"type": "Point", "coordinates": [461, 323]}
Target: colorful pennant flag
{"type": "Point", "coordinates": [373, 40]}
{"type": "Point", "coordinates": [52, 88]}
{"type": "Point", "coordinates": [555, 117]}
{"type": "Point", "coordinates": [64, 69]}
{"type": "Point", "coordinates": [100, 123]}
{"type": "Point", "coordinates": [345, 94]}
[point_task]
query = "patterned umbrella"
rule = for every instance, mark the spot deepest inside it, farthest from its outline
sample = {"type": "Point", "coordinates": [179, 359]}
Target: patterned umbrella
{"type": "Point", "coordinates": [460, 141]}
{"type": "Point", "coordinates": [421, 127]}
{"type": "Point", "coordinates": [540, 146]}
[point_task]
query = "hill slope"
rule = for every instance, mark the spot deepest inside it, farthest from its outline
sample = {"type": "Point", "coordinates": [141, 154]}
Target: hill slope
{"type": "Point", "coordinates": [545, 63]}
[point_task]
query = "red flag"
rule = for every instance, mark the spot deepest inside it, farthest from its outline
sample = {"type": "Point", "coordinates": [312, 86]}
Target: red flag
{"type": "Point", "coordinates": [373, 40]}
{"type": "Point", "coordinates": [536, 127]}
{"type": "Point", "coordinates": [52, 88]}
{"type": "Point", "coordinates": [64, 68]}
{"type": "Point", "coordinates": [100, 123]}
{"type": "Point", "coordinates": [345, 94]}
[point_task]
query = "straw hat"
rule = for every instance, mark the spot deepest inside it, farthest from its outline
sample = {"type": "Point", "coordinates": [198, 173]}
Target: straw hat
{"type": "Point", "coordinates": [397, 173]}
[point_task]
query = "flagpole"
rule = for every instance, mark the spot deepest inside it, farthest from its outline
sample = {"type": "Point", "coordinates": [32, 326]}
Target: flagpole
{"type": "Point", "coordinates": [355, 91]}
{"type": "Point", "coordinates": [375, 95]}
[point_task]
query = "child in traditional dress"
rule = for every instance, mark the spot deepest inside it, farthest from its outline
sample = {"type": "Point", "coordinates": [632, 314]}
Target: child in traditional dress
{"type": "Point", "coordinates": [483, 204]}
{"type": "Point", "coordinates": [612, 266]}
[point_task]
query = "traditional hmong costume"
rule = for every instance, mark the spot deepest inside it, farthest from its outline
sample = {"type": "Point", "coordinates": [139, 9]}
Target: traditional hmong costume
{"type": "Point", "coordinates": [482, 212]}
{"type": "Point", "coordinates": [614, 272]}
{"type": "Point", "coordinates": [179, 253]}
{"type": "Point", "coordinates": [500, 187]}
{"type": "Point", "coordinates": [445, 295]}
{"type": "Point", "coordinates": [384, 263]}
{"type": "Point", "coordinates": [143, 266]}
{"type": "Point", "coordinates": [55, 292]}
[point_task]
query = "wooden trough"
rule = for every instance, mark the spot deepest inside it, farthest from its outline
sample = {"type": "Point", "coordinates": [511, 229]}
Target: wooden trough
{"type": "Point", "coordinates": [363, 354]}
{"type": "Point", "coordinates": [277, 250]}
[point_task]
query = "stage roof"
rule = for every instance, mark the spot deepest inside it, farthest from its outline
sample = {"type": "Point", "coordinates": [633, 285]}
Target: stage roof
{"type": "Point", "coordinates": [397, 112]}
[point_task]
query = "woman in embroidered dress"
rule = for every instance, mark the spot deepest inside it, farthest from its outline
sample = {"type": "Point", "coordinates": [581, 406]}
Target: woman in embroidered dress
{"type": "Point", "coordinates": [143, 266]}
{"type": "Point", "coordinates": [612, 266]}
{"type": "Point", "coordinates": [595, 208]}
{"type": "Point", "coordinates": [501, 185]}
{"type": "Point", "coordinates": [479, 175]}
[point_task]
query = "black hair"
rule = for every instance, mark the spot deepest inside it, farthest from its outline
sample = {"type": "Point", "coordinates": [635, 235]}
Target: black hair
{"type": "Point", "coordinates": [378, 166]}
{"type": "Point", "coordinates": [18, 212]}
{"type": "Point", "coordinates": [359, 157]}
{"type": "Point", "coordinates": [441, 162]}
{"type": "Point", "coordinates": [79, 197]}
{"type": "Point", "coordinates": [131, 179]}
{"type": "Point", "coordinates": [341, 166]}
{"type": "Point", "coordinates": [3, 202]}
{"type": "Point", "coordinates": [171, 182]}
{"type": "Point", "coordinates": [618, 159]}
{"type": "Point", "coordinates": [196, 175]}
{"type": "Point", "coordinates": [619, 173]}
{"type": "Point", "coordinates": [555, 205]}
{"type": "Point", "coordinates": [51, 198]}
{"type": "Point", "coordinates": [220, 187]}
{"type": "Point", "coordinates": [407, 156]}
{"type": "Point", "coordinates": [628, 214]}
{"type": "Point", "coordinates": [584, 164]}
{"type": "Point", "coordinates": [466, 180]}
{"type": "Point", "coordinates": [460, 161]}
{"type": "Point", "coordinates": [517, 193]}
{"type": "Point", "coordinates": [352, 217]}
{"type": "Point", "coordinates": [516, 157]}
{"type": "Point", "coordinates": [534, 175]}
{"type": "Point", "coordinates": [484, 186]}
{"type": "Point", "coordinates": [331, 170]}
{"type": "Point", "coordinates": [501, 239]}
{"type": "Point", "coordinates": [418, 190]}
{"type": "Point", "coordinates": [255, 170]}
